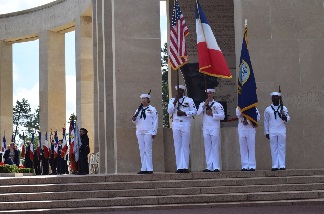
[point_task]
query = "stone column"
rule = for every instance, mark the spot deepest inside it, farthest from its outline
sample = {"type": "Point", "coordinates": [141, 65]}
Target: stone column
{"type": "Point", "coordinates": [95, 75]}
{"type": "Point", "coordinates": [99, 90]}
{"type": "Point", "coordinates": [52, 91]}
{"type": "Point", "coordinates": [136, 69]}
{"type": "Point", "coordinates": [84, 76]}
{"type": "Point", "coordinates": [109, 85]}
{"type": "Point", "coordinates": [127, 64]}
{"type": "Point", "coordinates": [6, 94]}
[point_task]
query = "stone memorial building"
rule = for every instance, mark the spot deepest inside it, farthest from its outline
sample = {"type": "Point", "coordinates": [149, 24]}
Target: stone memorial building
{"type": "Point", "coordinates": [117, 48]}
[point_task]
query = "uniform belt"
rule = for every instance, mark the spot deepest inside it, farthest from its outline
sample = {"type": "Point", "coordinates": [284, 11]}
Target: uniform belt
{"type": "Point", "coordinates": [179, 120]}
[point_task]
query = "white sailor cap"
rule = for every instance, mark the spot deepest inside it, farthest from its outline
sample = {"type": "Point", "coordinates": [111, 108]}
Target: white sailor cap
{"type": "Point", "coordinates": [210, 90]}
{"type": "Point", "coordinates": [275, 94]}
{"type": "Point", "coordinates": [181, 86]}
{"type": "Point", "coordinates": [145, 95]}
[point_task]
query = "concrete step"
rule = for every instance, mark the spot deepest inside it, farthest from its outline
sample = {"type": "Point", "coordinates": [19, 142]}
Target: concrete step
{"type": "Point", "coordinates": [170, 206]}
{"type": "Point", "coordinates": [67, 195]}
{"type": "Point", "coordinates": [156, 184]}
{"type": "Point", "coordinates": [58, 179]}
{"type": "Point", "coordinates": [160, 190]}
{"type": "Point", "coordinates": [162, 200]}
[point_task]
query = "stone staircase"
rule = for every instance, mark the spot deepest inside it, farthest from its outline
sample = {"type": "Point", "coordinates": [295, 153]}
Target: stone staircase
{"type": "Point", "coordinates": [101, 193]}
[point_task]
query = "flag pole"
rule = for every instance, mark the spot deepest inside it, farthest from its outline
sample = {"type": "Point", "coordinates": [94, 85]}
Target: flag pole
{"type": "Point", "coordinates": [174, 3]}
{"type": "Point", "coordinates": [200, 20]}
{"type": "Point", "coordinates": [205, 79]}
{"type": "Point", "coordinates": [245, 33]}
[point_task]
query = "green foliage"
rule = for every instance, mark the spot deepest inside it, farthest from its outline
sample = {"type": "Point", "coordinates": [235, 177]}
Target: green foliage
{"type": "Point", "coordinates": [8, 168]}
{"type": "Point", "coordinates": [25, 170]}
{"type": "Point", "coordinates": [25, 119]}
{"type": "Point", "coordinates": [165, 85]}
{"type": "Point", "coordinates": [21, 113]}
{"type": "Point", "coordinates": [33, 123]}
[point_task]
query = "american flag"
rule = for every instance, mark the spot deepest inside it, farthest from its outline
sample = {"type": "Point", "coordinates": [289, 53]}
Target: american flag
{"type": "Point", "coordinates": [178, 54]}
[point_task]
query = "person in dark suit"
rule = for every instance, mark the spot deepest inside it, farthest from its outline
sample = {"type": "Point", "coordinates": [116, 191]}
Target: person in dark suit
{"type": "Point", "coordinates": [84, 151]}
{"type": "Point", "coordinates": [53, 159]}
{"type": "Point", "coordinates": [37, 163]}
{"type": "Point", "coordinates": [60, 160]}
{"type": "Point", "coordinates": [28, 160]}
{"type": "Point", "coordinates": [44, 158]}
{"type": "Point", "coordinates": [11, 155]}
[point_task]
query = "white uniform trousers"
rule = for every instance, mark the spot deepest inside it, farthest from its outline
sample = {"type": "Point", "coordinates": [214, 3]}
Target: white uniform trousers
{"type": "Point", "coordinates": [211, 142]}
{"type": "Point", "coordinates": [181, 138]}
{"type": "Point", "coordinates": [247, 148]}
{"type": "Point", "coordinates": [145, 141]}
{"type": "Point", "coordinates": [278, 150]}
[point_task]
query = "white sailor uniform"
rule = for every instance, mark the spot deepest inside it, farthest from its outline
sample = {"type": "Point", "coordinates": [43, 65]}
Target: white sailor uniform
{"type": "Point", "coordinates": [247, 141]}
{"type": "Point", "coordinates": [211, 129]}
{"type": "Point", "coordinates": [146, 126]}
{"type": "Point", "coordinates": [276, 128]}
{"type": "Point", "coordinates": [181, 129]}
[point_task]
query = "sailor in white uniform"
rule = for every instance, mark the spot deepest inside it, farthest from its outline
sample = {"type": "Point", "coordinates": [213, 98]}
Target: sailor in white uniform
{"type": "Point", "coordinates": [182, 109]}
{"type": "Point", "coordinates": [213, 113]}
{"type": "Point", "coordinates": [146, 120]}
{"type": "Point", "coordinates": [275, 118]}
{"type": "Point", "coordinates": [246, 134]}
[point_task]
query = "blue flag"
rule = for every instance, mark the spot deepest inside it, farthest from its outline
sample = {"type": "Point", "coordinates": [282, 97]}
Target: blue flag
{"type": "Point", "coordinates": [247, 97]}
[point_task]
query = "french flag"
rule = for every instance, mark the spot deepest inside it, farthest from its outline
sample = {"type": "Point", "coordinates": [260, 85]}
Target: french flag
{"type": "Point", "coordinates": [64, 145]}
{"type": "Point", "coordinates": [46, 152]}
{"type": "Point", "coordinates": [210, 57]}
{"type": "Point", "coordinates": [55, 144]}
{"type": "Point", "coordinates": [31, 151]}
{"type": "Point", "coordinates": [39, 145]}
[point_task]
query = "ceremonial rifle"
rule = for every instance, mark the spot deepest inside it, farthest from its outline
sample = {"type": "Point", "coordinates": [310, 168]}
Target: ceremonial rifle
{"type": "Point", "coordinates": [140, 106]}
{"type": "Point", "coordinates": [280, 102]}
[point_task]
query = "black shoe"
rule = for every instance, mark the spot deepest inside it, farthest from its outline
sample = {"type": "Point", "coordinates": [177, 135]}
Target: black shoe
{"type": "Point", "coordinates": [282, 168]}
{"type": "Point", "coordinates": [179, 171]}
{"type": "Point", "coordinates": [185, 170]}
{"type": "Point", "coordinates": [243, 170]}
{"type": "Point", "coordinates": [216, 170]}
{"type": "Point", "coordinates": [149, 172]}
{"type": "Point", "coordinates": [206, 170]}
{"type": "Point", "coordinates": [141, 172]}
{"type": "Point", "coordinates": [274, 169]}
{"type": "Point", "coordinates": [251, 169]}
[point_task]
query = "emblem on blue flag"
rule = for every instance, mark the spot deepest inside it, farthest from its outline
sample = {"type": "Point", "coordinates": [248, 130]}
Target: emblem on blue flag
{"type": "Point", "coordinates": [244, 72]}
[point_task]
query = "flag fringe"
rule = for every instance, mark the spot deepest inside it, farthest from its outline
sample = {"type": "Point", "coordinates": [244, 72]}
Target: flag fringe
{"type": "Point", "coordinates": [214, 75]}
{"type": "Point", "coordinates": [175, 68]}
{"type": "Point", "coordinates": [247, 107]}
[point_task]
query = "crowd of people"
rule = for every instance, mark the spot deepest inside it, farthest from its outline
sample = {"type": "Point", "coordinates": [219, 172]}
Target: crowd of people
{"type": "Point", "coordinates": [52, 160]}
{"type": "Point", "coordinates": [182, 109]}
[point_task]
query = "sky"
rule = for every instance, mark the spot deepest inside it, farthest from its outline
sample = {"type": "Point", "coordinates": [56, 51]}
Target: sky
{"type": "Point", "coordinates": [26, 58]}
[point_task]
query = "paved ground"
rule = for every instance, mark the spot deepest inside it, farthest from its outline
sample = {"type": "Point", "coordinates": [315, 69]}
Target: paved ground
{"type": "Point", "coordinates": [296, 209]}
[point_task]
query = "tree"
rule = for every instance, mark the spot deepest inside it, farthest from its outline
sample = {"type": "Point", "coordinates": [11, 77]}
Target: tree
{"type": "Point", "coordinates": [25, 120]}
{"type": "Point", "coordinates": [21, 113]}
{"type": "Point", "coordinates": [32, 124]}
{"type": "Point", "coordinates": [165, 85]}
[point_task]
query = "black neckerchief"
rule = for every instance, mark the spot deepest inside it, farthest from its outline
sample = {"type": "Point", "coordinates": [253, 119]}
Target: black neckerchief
{"type": "Point", "coordinates": [208, 107]}
{"type": "Point", "coordinates": [276, 111]}
{"type": "Point", "coordinates": [183, 98]}
{"type": "Point", "coordinates": [143, 113]}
